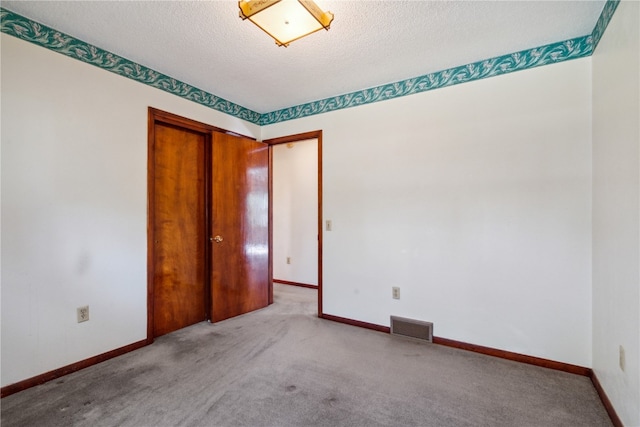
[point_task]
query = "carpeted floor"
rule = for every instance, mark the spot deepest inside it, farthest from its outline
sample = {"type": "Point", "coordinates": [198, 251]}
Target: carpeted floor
{"type": "Point", "coordinates": [282, 366]}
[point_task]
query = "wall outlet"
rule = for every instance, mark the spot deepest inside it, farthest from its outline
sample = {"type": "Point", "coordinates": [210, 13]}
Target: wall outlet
{"type": "Point", "coordinates": [622, 358]}
{"type": "Point", "coordinates": [395, 292]}
{"type": "Point", "coordinates": [83, 313]}
{"type": "Point", "coordinates": [288, 260]}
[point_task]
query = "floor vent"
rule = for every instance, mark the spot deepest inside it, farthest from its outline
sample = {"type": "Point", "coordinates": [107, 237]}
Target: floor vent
{"type": "Point", "coordinates": [411, 328]}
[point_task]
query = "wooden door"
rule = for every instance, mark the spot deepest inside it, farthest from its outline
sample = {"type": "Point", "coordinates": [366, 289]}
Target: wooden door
{"type": "Point", "coordinates": [239, 226]}
{"type": "Point", "coordinates": [179, 228]}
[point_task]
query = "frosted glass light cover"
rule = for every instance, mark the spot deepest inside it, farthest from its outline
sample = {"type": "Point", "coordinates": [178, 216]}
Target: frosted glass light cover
{"type": "Point", "coordinates": [286, 20]}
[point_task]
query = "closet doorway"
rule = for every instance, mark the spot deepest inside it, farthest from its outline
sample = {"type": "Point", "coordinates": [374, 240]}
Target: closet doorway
{"type": "Point", "coordinates": [208, 234]}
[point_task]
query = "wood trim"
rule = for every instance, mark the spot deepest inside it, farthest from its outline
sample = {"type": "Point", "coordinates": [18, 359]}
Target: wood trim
{"type": "Point", "coordinates": [517, 357]}
{"type": "Point", "coordinates": [316, 134]}
{"type": "Point", "coordinates": [151, 173]}
{"type": "Point", "coordinates": [301, 285]}
{"type": "Point", "coordinates": [208, 203]}
{"type": "Point", "coordinates": [183, 122]}
{"type": "Point", "coordinates": [357, 323]}
{"type": "Point", "coordinates": [320, 221]}
{"type": "Point", "coordinates": [65, 370]}
{"type": "Point", "coordinates": [294, 138]}
{"type": "Point", "coordinates": [503, 354]}
{"type": "Point", "coordinates": [270, 219]}
{"type": "Point", "coordinates": [615, 419]}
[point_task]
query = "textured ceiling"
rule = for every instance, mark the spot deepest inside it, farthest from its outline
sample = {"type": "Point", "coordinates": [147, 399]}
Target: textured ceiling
{"type": "Point", "coordinates": [206, 44]}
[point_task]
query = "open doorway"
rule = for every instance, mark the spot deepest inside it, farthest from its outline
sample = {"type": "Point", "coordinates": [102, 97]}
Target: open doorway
{"type": "Point", "coordinates": [295, 209]}
{"type": "Point", "coordinates": [295, 189]}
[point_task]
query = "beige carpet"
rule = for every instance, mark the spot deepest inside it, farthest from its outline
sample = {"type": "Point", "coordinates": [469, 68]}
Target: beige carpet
{"type": "Point", "coordinates": [282, 366]}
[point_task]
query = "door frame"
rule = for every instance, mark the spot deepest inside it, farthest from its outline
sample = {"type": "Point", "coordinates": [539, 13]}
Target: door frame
{"type": "Point", "coordinates": [317, 134]}
{"type": "Point", "coordinates": [156, 116]}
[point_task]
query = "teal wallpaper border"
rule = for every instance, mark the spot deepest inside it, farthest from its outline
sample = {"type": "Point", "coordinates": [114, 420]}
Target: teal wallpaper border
{"type": "Point", "coordinates": [603, 21]}
{"type": "Point", "coordinates": [544, 55]}
{"type": "Point", "coordinates": [580, 47]}
{"type": "Point", "coordinates": [41, 35]}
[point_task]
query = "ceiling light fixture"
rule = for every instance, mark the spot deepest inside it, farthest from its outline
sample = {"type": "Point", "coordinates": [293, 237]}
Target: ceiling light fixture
{"type": "Point", "coordinates": [285, 20]}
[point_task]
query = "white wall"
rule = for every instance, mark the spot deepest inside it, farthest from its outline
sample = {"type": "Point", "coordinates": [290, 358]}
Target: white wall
{"type": "Point", "coordinates": [295, 212]}
{"type": "Point", "coordinates": [475, 200]}
{"type": "Point", "coordinates": [616, 211]}
{"type": "Point", "coordinates": [74, 171]}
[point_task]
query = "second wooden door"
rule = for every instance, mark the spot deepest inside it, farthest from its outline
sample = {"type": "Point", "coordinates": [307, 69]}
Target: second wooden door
{"type": "Point", "coordinates": [240, 226]}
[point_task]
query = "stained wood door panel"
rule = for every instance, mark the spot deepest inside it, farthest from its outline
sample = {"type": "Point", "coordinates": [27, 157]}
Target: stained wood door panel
{"type": "Point", "coordinates": [240, 215]}
{"type": "Point", "coordinates": [179, 229]}
{"type": "Point", "coordinates": [202, 183]}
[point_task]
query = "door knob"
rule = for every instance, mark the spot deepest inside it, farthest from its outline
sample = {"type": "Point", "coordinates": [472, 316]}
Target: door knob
{"type": "Point", "coordinates": [218, 239]}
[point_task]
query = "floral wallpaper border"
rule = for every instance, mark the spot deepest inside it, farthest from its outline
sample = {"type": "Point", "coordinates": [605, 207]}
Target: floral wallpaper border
{"type": "Point", "coordinates": [549, 54]}
{"type": "Point", "coordinates": [34, 32]}
{"type": "Point", "coordinates": [605, 17]}
{"type": "Point", "coordinates": [41, 35]}
{"type": "Point", "coordinates": [544, 55]}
